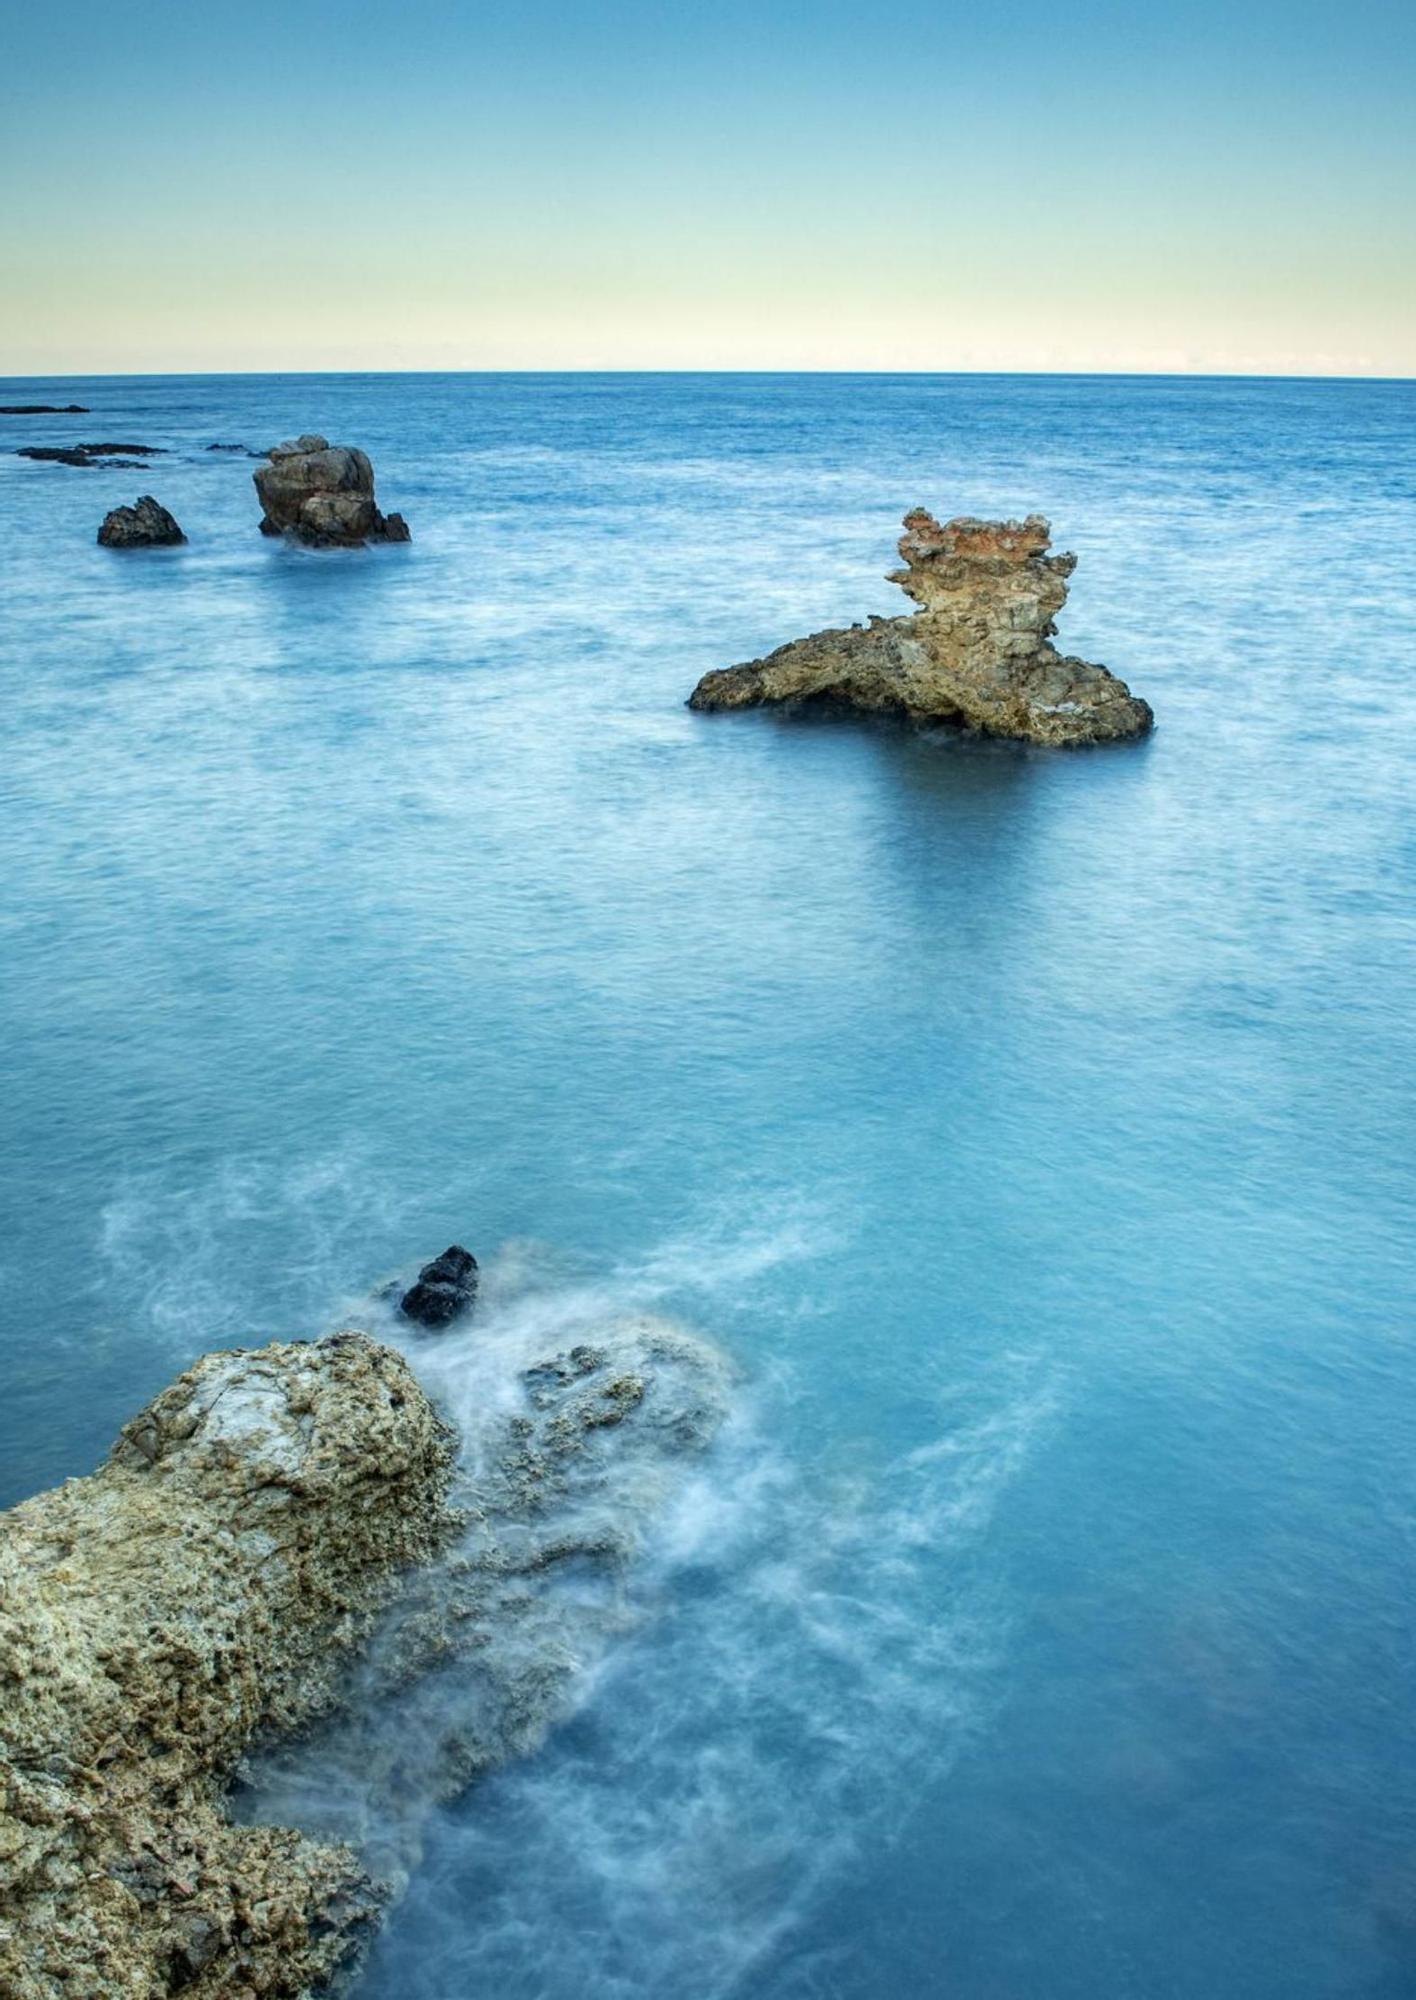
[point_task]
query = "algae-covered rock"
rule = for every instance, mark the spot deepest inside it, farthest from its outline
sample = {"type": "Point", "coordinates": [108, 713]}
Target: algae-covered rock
{"type": "Point", "coordinates": [203, 1586]}
{"type": "Point", "coordinates": [977, 653]}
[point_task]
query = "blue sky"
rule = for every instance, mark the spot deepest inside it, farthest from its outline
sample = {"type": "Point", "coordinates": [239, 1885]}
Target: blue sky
{"type": "Point", "coordinates": [436, 185]}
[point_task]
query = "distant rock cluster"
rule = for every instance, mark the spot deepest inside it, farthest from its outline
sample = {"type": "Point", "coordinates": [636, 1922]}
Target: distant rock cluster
{"type": "Point", "coordinates": [314, 492]}
{"type": "Point", "coordinates": [323, 495]}
{"type": "Point", "coordinates": [109, 456]}
{"type": "Point", "coordinates": [977, 653]}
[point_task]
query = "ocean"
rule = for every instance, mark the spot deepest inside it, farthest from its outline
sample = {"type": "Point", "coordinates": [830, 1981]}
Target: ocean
{"type": "Point", "coordinates": [1030, 1132]}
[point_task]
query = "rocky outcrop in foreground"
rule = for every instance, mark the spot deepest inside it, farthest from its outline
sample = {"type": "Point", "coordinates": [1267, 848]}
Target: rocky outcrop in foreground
{"type": "Point", "coordinates": [977, 653]}
{"type": "Point", "coordinates": [144, 526]}
{"type": "Point", "coordinates": [323, 495]}
{"type": "Point", "coordinates": [569, 1459]}
{"type": "Point", "coordinates": [202, 1587]}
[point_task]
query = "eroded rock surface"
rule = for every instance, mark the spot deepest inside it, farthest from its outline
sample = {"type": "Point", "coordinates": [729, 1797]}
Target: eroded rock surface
{"type": "Point", "coordinates": [570, 1457]}
{"type": "Point", "coordinates": [147, 525]}
{"type": "Point", "coordinates": [323, 495]}
{"type": "Point", "coordinates": [204, 1585]}
{"type": "Point", "coordinates": [977, 653]}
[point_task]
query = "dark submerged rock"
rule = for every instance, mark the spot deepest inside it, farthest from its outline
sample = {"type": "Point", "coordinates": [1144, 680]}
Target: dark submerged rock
{"type": "Point", "coordinates": [323, 496]}
{"type": "Point", "coordinates": [44, 410]}
{"type": "Point", "coordinates": [444, 1289]}
{"type": "Point", "coordinates": [148, 525]}
{"type": "Point", "coordinates": [91, 454]}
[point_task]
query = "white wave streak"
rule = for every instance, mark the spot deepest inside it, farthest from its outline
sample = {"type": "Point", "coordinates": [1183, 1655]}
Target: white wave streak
{"type": "Point", "coordinates": [820, 1655]}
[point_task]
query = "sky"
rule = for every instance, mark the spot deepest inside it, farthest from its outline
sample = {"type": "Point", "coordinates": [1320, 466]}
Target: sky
{"type": "Point", "coordinates": [1161, 186]}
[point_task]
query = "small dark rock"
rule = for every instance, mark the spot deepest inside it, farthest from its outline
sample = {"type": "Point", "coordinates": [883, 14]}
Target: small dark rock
{"type": "Point", "coordinates": [444, 1288]}
{"type": "Point", "coordinates": [244, 450]}
{"type": "Point", "coordinates": [396, 529]}
{"type": "Point", "coordinates": [44, 410]}
{"type": "Point", "coordinates": [145, 526]}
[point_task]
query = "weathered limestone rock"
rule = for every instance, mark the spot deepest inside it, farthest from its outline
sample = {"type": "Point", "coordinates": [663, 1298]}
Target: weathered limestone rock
{"type": "Point", "coordinates": [144, 526]}
{"type": "Point", "coordinates": [977, 653]}
{"type": "Point", "coordinates": [203, 1586]}
{"type": "Point", "coordinates": [323, 494]}
{"type": "Point", "coordinates": [443, 1290]}
{"type": "Point", "coordinates": [566, 1468]}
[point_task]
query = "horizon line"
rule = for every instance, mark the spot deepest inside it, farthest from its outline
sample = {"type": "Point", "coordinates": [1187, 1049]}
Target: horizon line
{"type": "Point", "coordinates": [838, 374]}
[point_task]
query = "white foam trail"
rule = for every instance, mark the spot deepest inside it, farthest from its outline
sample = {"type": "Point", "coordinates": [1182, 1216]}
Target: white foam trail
{"type": "Point", "coordinates": [795, 1658]}
{"type": "Point", "coordinates": [821, 1654]}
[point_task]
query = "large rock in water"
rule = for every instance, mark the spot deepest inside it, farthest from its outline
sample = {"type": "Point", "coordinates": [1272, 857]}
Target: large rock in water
{"type": "Point", "coordinates": [323, 494]}
{"type": "Point", "coordinates": [977, 653]}
{"type": "Point", "coordinates": [144, 526]}
{"type": "Point", "coordinates": [202, 1587]}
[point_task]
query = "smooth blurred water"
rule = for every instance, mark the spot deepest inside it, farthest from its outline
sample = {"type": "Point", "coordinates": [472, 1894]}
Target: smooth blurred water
{"type": "Point", "coordinates": [1034, 1130]}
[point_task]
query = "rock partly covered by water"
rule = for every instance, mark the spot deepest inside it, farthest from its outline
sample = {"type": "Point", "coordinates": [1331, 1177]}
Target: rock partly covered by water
{"type": "Point", "coordinates": [44, 410]}
{"type": "Point", "coordinates": [977, 653]}
{"type": "Point", "coordinates": [147, 525]}
{"type": "Point", "coordinates": [443, 1289]}
{"type": "Point", "coordinates": [201, 1588]}
{"type": "Point", "coordinates": [571, 1456]}
{"type": "Point", "coordinates": [109, 457]}
{"type": "Point", "coordinates": [323, 494]}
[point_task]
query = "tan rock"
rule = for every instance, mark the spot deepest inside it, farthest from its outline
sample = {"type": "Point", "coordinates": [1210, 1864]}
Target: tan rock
{"type": "Point", "coordinates": [204, 1585]}
{"type": "Point", "coordinates": [977, 653]}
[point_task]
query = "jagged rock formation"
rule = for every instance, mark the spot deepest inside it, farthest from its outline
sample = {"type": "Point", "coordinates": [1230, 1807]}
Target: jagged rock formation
{"type": "Point", "coordinates": [977, 653]}
{"type": "Point", "coordinates": [202, 1586]}
{"type": "Point", "coordinates": [144, 526]}
{"type": "Point", "coordinates": [491, 1643]}
{"type": "Point", "coordinates": [443, 1289]}
{"type": "Point", "coordinates": [323, 495]}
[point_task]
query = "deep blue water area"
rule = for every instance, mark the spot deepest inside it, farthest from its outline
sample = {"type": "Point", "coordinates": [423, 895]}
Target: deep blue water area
{"type": "Point", "coordinates": [1033, 1130]}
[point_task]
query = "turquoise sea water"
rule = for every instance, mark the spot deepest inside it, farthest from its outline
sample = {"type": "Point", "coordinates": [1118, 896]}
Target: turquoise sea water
{"type": "Point", "coordinates": [1033, 1130]}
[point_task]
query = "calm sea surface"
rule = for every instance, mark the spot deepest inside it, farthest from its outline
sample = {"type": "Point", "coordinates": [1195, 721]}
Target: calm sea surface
{"type": "Point", "coordinates": [1033, 1130]}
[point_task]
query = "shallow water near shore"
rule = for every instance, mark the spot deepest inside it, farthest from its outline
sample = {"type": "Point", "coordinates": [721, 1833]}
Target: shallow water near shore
{"type": "Point", "coordinates": [1031, 1132]}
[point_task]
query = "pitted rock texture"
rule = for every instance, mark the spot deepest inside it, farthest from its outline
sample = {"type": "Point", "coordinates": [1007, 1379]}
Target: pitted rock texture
{"type": "Point", "coordinates": [567, 1465]}
{"type": "Point", "coordinates": [977, 653]}
{"type": "Point", "coordinates": [147, 525]}
{"type": "Point", "coordinates": [323, 495]}
{"type": "Point", "coordinates": [204, 1586]}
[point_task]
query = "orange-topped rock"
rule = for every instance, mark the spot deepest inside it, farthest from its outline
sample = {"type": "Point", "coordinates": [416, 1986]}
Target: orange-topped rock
{"type": "Point", "coordinates": [977, 653]}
